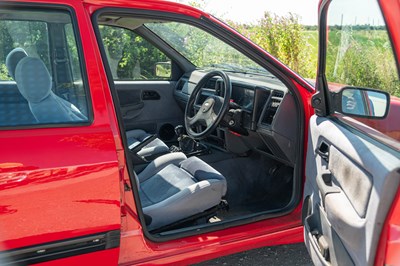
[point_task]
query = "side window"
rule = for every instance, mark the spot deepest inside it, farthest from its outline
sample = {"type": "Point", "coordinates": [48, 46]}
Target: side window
{"type": "Point", "coordinates": [40, 71]}
{"type": "Point", "coordinates": [359, 53]}
{"type": "Point", "coordinates": [133, 58]}
{"type": "Point", "coordinates": [30, 35]}
{"type": "Point", "coordinates": [79, 95]}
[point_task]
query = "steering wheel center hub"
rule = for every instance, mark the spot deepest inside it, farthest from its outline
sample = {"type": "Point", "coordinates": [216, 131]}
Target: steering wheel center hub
{"type": "Point", "coordinates": [206, 106]}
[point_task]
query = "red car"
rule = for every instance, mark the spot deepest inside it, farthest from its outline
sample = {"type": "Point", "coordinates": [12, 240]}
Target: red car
{"type": "Point", "coordinates": [149, 132]}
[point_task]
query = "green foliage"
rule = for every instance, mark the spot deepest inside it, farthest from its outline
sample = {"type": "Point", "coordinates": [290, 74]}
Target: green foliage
{"type": "Point", "coordinates": [201, 48]}
{"type": "Point", "coordinates": [366, 58]}
{"type": "Point", "coordinates": [4, 72]}
{"type": "Point", "coordinates": [130, 56]}
{"type": "Point", "coordinates": [361, 55]}
{"type": "Point", "coordinates": [29, 35]}
{"type": "Point", "coordinates": [73, 52]}
{"type": "Point", "coordinates": [362, 58]}
{"type": "Point", "coordinates": [282, 37]}
{"type": "Point", "coordinates": [200, 4]}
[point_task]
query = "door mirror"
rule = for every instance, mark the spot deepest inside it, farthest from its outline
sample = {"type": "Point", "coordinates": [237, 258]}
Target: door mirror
{"type": "Point", "coordinates": [162, 69]}
{"type": "Point", "coordinates": [363, 102]}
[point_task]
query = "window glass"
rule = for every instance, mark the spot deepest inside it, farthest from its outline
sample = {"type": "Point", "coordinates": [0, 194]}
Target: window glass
{"type": "Point", "coordinates": [79, 96]}
{"type": "Point", "coordinates": [29, 35]}
{"type": "Point", "coordinates": [203, 49]}
{"type": "Point", "coordinates": [40, 71]}
{"type": "Point", "coordinates": [133, 58]}
{"type": "Point", "coordinates": [359, 53]}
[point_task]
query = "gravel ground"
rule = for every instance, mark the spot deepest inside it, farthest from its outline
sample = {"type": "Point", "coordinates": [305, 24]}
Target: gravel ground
{"type": "Point", "coordinates": [280, 255]}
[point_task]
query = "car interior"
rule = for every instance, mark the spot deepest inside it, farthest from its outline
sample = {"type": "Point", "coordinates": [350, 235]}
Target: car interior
{"type": "Point", "coordinates": [213, 132]}
{"type": "Point", "coordinates": [214, 142]}
{"type": "Point", "coordinates": [233, 133]}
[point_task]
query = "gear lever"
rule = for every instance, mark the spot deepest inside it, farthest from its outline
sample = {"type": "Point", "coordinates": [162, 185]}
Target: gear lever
{"type": "Point", "coordinates": [186, 143]}
{"type": "Point", "coordinates": [179, 130]}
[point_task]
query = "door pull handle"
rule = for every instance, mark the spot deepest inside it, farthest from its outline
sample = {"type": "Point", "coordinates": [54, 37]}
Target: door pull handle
{"type": "Point", "coordinates": [323, 155]}
{"type": "Point", "coordinates": [325, 185]}
{"type": "Point", "coordinates": [323, 151]}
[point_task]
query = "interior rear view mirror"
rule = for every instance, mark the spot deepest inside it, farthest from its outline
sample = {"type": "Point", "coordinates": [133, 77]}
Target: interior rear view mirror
{"type": "Point", "coordinates": [363, 102]}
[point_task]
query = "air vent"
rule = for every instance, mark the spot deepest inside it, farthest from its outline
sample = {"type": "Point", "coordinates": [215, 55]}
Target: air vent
{"type": "Point", "coordinates": [180, 84]}
{"type": "Point", "coordinates": [219, 87]}
{"type": "Point", "coordinates": [210, 84]}
{"type": "Point", "coordinates": [278, 94]}
{"type": "Point", "coordinates": [272, 106]}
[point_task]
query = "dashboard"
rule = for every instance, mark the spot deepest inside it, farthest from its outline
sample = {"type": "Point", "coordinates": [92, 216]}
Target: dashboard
{"type": "Point", "coordinates": [263, 107]}
{"type": "Point", "coordinates": [258, 97]}
{"type": "Point", "coordinates": [243, 96]}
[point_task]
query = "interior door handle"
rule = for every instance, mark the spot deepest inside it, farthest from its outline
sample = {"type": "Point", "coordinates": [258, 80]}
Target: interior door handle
{"type": "Point", "coordinates": [323, 151]}
{"type": "Point", "coordinates": [150, 95]}
{"type": "Point", "coordinates": [325, 185]}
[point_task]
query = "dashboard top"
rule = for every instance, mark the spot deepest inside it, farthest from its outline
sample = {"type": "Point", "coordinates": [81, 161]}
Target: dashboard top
{"type": "Point", "coordinates": [243, 80]}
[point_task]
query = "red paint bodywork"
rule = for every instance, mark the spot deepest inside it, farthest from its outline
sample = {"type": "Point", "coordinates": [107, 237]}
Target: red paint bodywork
{"type": "Point", "coordinates": [388, 249]}
{"type": "Point", "coordinates": [61, 183]}
{"type": "Point", "coordinates": [74, 186]}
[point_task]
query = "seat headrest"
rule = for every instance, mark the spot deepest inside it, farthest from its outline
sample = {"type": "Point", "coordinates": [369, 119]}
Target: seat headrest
{"type": "Point", "coordinates": [33, 79]}
{"type": "Point", "coordinates": [13, 59]}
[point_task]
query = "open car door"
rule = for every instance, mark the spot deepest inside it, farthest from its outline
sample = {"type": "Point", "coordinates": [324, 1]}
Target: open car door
{"type": "Point", "coordinates": [352, 168]}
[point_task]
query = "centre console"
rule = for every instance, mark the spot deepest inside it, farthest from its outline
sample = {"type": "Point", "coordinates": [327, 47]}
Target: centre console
{"type": "Point", "coordinates": [188, 145]}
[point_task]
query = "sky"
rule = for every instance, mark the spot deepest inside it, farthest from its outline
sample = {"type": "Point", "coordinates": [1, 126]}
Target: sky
{"type": "Point", "coordinates": [249, 11]}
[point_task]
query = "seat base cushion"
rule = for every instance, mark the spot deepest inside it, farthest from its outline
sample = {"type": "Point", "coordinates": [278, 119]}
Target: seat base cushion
{"type": "Point", "coordinates": [173, 188]}
{"type": "Point", "coordinates": [165, 184]}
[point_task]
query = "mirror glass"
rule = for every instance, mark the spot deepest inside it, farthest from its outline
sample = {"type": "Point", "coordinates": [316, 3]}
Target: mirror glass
{"type": "Point", "coordinates": [364, 102]}
{"type": "Point", "coordinates": [163, 69]}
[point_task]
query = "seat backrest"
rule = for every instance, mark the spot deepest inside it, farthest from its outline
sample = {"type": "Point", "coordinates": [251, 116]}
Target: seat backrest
{"type": "Point", "coordinates": [14, 109]}
{"type": "Point", "coordinates": [34, 83]}
{"type": "Point", "coordinates": [13, 59]}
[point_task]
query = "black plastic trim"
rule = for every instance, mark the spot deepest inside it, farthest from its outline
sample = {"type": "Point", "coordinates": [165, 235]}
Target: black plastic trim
{"type": "Point", "coordinates": [321, 100]}
{"type": "Point", "coordinates": [258, 57]}
{"type": "Point", "coordinates": [61, 249]}
{"type": "Point", "coordinates": [77, 34]}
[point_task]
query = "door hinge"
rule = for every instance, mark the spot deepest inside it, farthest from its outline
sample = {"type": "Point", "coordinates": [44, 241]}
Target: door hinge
{"type": "Point", "coordinates": [318, 103]}
{"type": "Point", "coordinates": [127, 187]}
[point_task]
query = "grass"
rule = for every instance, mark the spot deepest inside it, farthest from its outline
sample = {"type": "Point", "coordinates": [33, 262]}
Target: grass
{"type": "Point", "coordinates": [361, 58]}
{"type": "Point", "coordinates": [311, 38]}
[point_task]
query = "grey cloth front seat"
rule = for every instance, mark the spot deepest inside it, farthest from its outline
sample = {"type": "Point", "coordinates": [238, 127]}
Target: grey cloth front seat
{"type": "Point", "coordinates": [173, 187]}
{"type": "Point", "coordinates": [34, 83]}
{"type": "Point", "coordinates": [152, 150]}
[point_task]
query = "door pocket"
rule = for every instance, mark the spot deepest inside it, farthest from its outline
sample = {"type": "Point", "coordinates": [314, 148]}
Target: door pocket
{"type": "Point", "coordinates": [323, 243]}
{"type": "Point", "coordinates": [314, 239]}
{"type": "Point", "coordinates": [355, 182]}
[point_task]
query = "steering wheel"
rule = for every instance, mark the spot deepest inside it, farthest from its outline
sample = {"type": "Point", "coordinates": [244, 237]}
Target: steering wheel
{"type": "Point", "coordinates": [212, 110]}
